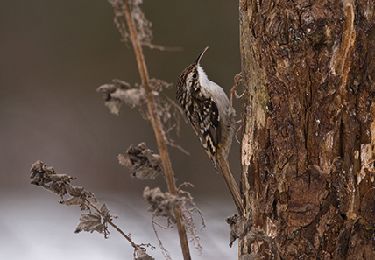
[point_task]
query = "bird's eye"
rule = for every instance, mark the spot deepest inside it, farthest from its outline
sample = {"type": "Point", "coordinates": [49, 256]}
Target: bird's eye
{"type": "Point", "coordinates": [194, 75]}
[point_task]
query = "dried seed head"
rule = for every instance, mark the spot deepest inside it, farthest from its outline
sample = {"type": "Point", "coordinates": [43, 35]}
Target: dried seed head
{"type": "Point", "coordinates": [141, 161]}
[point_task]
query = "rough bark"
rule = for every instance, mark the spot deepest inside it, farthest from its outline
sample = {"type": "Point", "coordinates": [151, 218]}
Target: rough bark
{"type": "Point", "coordinates": [308, 149]}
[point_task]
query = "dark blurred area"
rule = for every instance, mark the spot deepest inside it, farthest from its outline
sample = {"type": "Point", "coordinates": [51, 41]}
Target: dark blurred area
{"type": "Point", "coordinates": [54, 54]}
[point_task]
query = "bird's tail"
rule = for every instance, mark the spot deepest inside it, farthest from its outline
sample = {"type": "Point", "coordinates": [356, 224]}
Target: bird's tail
{"type": "Point", "coordinates": [230, 181]}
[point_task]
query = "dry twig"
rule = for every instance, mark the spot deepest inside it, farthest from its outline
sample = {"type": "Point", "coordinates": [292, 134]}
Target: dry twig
{"type": "Point", "coordinates": [95, 217]}
{"type": "Point", "coordinates": [137, 37]}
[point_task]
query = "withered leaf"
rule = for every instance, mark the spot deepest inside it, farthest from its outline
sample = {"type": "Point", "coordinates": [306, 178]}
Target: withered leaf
{"type": "Point", "coordinates": [141, 162]}
{"type": "Point", "coordinates": [140, 254]}
{"type": "Point", "coordinates": [143, 26]}
{"type": "Point", "coordinates": [77, 191]}
{"type": "Point", "coordinates": [161, 203]}
{"type": "Point", "coordinates": [91, 222]}
{"type": "Point", "coordinates": [120, 92]}
{"type": "Point", "coordinates": [105, 213]}
{"type": "Point", "coordinates": [113, 106]}
{"type": "Point", "coordinates": [42, 175]}
{"type": "Point", "coordinates": [158, 84]}
{"type": "Point", "coordinates": [74, 201]}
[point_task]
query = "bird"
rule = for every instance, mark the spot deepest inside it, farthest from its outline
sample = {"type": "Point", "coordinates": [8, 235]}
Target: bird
{"type": "Point", "coordinates": [207, 108]}
{"type": "Point", "coordinates": [212, 117]}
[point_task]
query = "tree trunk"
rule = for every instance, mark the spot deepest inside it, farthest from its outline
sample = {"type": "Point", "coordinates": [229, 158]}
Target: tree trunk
{"type": "Point", "coordinates": [308, 149]}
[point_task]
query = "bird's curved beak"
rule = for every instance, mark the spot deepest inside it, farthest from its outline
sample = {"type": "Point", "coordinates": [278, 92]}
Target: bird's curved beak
{"type": "Point", "coordinates": [200, 56]}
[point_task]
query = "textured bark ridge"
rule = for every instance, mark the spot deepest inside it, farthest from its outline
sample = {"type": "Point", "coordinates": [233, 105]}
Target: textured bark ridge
{"type": "Point", "coordinates": [308, 150]}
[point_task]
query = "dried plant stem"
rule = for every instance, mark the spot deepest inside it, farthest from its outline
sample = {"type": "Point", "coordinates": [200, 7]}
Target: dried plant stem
{"type": "Point", "coordinates": [157, 127]}
{"type": "Point", "coordinates": [134, 245]}
{"type": "Point", "coordinates": [70, 195]}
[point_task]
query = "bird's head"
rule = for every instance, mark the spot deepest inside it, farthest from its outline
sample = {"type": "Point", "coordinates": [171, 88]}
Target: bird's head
{"type": "Point", "coordinates": [191, 74]}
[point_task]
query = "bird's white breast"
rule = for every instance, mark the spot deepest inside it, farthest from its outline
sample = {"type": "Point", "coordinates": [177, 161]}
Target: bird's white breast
{"type": "Point", "coordinates": [212, 89]}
